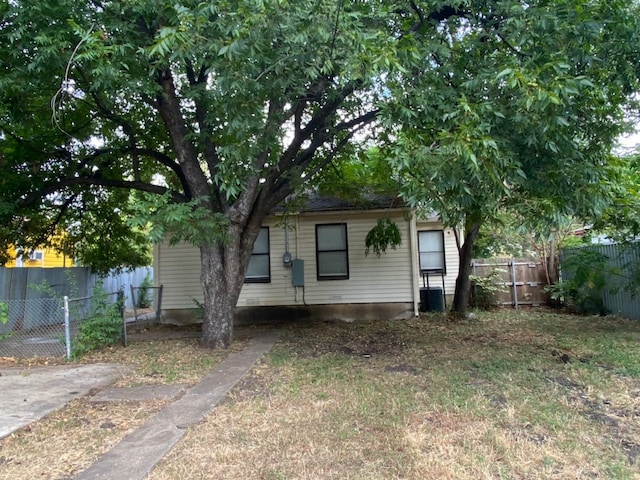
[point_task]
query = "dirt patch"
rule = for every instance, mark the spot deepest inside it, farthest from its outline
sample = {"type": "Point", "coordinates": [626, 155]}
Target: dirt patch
{"type": "Point", "coordinates": [528, 338]}
{"type": "Point", "coordinates": [632, 450]}
{"type": "Point", "coordinates": [529, 433]}
{"type": "Point", "coordinates": [162, 332]}
{"type": "Point", "coordinates": [403, 368]}
{"type": "Point", "coordinates": [564, 382]}
{"type": "Point", "coordinates": [252, 386]}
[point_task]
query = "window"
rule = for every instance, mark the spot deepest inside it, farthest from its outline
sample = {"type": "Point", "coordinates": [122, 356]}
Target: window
{"type": "Point", "coordinates": [36, 255]}
{"type": "Point", "coordinates": [259, 270]}
{"type": "Point", "coordinates": [332, 256]}
{"type": "Point", "coordinates": [431, 248]}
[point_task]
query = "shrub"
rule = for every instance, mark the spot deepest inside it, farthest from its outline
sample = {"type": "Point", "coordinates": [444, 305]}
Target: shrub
{"type": "Point", "coordinates": [4, 318]}
{"type": "Point", "coordinates": [103, 327]}
{"type": "Point", "coordinates": [144, 292]}
{"type": "Point", "coordinates": [587, 271]}
{"type": "Point", "coordinates": [485, 290]}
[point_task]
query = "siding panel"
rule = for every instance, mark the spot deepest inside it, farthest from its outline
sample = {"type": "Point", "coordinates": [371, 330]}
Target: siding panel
{"type": "Point", "coordinates": [372, 279]}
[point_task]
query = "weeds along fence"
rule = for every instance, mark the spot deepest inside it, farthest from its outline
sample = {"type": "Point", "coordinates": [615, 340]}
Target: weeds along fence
{"type": "Point", "coordinates": [603, 279]}
{"type": "Point", "coordinates": [51, 327]}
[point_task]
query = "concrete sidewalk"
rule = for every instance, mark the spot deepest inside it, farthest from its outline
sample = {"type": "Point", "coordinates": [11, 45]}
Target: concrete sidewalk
{"type": "Point", "coordinates": [30, 394]}
{"type": "Point", "coordinates": [136, 455]}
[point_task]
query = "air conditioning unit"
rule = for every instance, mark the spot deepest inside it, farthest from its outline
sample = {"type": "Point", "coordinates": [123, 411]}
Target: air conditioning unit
{"type": "Point", "coordinates": [36, 255]}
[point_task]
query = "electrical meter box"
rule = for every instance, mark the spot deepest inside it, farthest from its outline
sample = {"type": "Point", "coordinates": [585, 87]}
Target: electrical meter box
{"type": "Point", "coordinates": [297, 272]}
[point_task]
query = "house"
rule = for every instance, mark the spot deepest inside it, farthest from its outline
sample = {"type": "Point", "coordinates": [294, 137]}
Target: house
{"type": "Point", "coordinates": [41, 257]}
{"type": "Point", "coordinates": [313, 263]}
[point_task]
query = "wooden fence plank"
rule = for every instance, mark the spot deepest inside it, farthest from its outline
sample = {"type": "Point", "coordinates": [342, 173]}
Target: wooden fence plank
{"type": "Point", "coordinates": [523, 279]}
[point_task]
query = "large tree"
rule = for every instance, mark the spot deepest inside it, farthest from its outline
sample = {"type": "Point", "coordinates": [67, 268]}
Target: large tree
{"type": "Point", "coordinates": [517, 111]}
{"type": "Point", "coordinates": [224, 109]}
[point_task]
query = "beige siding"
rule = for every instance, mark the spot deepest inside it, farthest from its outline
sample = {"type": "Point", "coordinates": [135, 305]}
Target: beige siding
{"type": "Point", "coordinates": [385, 279]}
{"type": "Point", "coordinates": [279, 291]}
{"type": "Point", "coordinates": [177, 269]}
{"type": "Point", "coordinates": [371, 279]}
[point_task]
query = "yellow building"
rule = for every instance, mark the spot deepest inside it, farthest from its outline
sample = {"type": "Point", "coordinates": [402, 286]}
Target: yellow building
{"type": "Point", "coordinates": [41, 257]}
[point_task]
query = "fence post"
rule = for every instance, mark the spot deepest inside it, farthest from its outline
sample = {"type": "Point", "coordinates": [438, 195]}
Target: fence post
{"type": "Point", "coordinates": [122, 315]}
{"type": "Point", "coordinates": [134, 301]}
{"type": "Point", "coordinates": [514, 283]}
{"type": "Point", "coordinates": [159, 304]}
{"type": "Point", "coordinates": [67, 327]}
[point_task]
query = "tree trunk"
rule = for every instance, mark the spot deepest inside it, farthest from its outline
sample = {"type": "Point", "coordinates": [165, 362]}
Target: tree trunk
{"type": "Point", "coordinates": [223, 268]}
{"type": "Point", "coordinates": [463, 283]}
{"type": "Point", "coordinates": [220, 295]}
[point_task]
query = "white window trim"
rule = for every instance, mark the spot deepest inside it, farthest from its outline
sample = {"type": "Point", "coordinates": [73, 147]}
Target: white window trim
{"type": "Point", "coordinates": [345, 250]}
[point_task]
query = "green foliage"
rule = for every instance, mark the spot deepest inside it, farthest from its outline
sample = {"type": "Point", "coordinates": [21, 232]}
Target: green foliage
{"type": "Point", "coordinates": [586, 271]}
{"type": "Point", "coordinates": [384, 235]}
{"type": "Point", "coordinates": [366, 172]}
{"type": "Point", "coordinates": [525, 234]}
{"type": "Point", "coordinates": [621, 219]}
{"type": "Point", "coordinates": [4, 318]}
{"type": "Point", "coordinates": [181, 222]}
{"type": "Point", "coordinates": [103, 326]}
{"type": "Point", "coordinates": [485, 290]}
{"type": "Point", "coordinates": [144, 294]}
{"type": "Point", "coordinates": [105, 246]}
{"type": "Point", "coordinates": [520, 123]}
{"type": "Point", "coordinates": [224, 109]}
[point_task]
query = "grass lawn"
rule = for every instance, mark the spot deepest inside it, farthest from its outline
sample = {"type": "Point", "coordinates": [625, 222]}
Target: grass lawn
{"type": "Point", "coordinates": [514, 395]}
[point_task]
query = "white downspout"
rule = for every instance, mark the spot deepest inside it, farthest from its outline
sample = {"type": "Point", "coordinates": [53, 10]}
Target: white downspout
{"type": "Point", "coordinates": [415, 268]}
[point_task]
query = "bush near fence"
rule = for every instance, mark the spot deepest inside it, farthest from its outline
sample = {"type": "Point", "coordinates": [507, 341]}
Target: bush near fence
{"type": "Point", "coordinates": [605, 279]}
{"type": "Point", "coordinates": [37, 327]}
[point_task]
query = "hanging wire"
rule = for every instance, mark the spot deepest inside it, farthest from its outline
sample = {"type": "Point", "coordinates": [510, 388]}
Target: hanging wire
{"type": "Point", "coordinates": [57, 100]}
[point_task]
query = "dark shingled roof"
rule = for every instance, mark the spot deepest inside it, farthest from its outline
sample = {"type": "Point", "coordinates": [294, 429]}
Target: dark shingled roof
{"type": "Point", "coordinates": [317, 203]}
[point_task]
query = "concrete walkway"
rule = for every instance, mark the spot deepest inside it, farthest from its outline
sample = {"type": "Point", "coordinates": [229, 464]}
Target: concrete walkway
{"type": "Point", "coordinates": [30, 394]}
{"type": "Point", "coordinates": [136, 455]}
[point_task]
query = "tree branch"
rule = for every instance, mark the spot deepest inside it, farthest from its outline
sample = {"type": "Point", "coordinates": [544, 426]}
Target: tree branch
{"type": "Point", "coordinates": [158, 156]}
{"type": "Point", "coordinates": [170, 110]}
{"type": "Point", "coordinates": [210, 149]}
{"type": "Point", "coordinates": [98, 181]}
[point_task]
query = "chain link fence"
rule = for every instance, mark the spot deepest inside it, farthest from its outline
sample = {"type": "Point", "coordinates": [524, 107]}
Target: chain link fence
{"type": "Point", "coordinates": [33, 328]}
{"type": "Point", "coordinates": [48, 327]}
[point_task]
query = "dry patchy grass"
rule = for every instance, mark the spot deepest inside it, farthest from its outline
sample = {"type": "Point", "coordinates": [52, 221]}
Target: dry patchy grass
{"type": "Point", "coordinates": [69, 440]}
{"type": "Point", "coordinates": [528, 395]}
{"type": "Point", "coordinates": [532, 395]}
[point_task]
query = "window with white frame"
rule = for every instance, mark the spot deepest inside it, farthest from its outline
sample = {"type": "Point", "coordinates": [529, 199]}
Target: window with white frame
{"type": "Point", "coordinates": [431, 248]}
{"type": "Point", "coordinates": [259, 270]}
{"type": "Point", "coordinates": [36, 256]}
{"type": "Point", "coordinates": [332, 255]}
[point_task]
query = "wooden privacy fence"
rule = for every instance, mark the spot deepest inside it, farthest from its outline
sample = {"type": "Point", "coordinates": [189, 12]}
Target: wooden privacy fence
{"type": "Point", "coordinates": [522, 279]}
